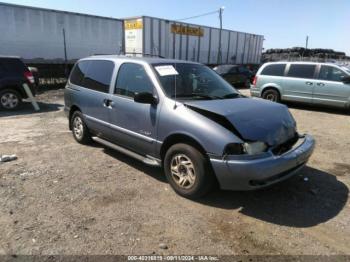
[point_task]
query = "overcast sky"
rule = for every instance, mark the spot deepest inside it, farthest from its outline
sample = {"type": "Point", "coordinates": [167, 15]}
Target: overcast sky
{"type": "Point", "coordinates": [284, 23]}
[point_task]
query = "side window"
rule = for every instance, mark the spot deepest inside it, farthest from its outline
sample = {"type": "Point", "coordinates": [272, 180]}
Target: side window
{"type": "Point", "coordinates": [98, 76]}
{"type": "Point", "coordinates": [301, 71]}
{"type": "Point", "coordinates": [331, 73]}
{"type": "Point", "coordinates": [274, 70]}
{"type": "Point", "coordinates": [78, 73]}
{"type": "Point", "coordinates": [13, 66]}
{"type": "Point", "coordinates": [132, 79]}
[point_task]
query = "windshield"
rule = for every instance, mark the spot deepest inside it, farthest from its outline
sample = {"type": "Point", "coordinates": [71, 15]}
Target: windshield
{"type": "Point", "coordinates": [347, 69]}
{"type": "Point", "coordinates": [193, 82]}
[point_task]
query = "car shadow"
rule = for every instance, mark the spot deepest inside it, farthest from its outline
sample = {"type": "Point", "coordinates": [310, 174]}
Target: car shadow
{"type": "Point", "coordinates": [154, 172]}
{"type": "Point", "coordinates": [308, 199]}
{"type": "Point", "coordinates": [305, 200]}
{"type": "Point", "coordinates": [27, 109]}
{"type": "Point", "coordinates": [316, 108]}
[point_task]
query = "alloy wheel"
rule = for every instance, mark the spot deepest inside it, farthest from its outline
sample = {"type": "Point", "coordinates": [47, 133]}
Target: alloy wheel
{"type": "Point", "coordinates": [183, 171]}
{"type": "Point", "coordinates": [78, 128]}
{"type": "Point", "coordinates": [9, 100]}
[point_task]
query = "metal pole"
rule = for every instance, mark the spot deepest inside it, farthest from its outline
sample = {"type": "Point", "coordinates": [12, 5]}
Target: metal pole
{"type": "Point", "coordinates": [220, 33]}
{"type": "Point", "coordinates": [307, 42]}
{"type": "Point", "coordinates": [65, 52]}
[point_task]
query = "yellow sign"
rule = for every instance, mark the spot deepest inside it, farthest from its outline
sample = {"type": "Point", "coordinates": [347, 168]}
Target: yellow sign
{"type": "Point", "coordinates": [187, 30]}
{"type": "Point", "coordinates": [133, 24]}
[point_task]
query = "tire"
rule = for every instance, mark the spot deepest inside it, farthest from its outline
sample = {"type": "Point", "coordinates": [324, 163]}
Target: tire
{"type": "Point", "coordinates": [186, 161]}
{"type": "Point", "coordinates": [272, 95]}
{"type": "Point", "coordinates": [79, 129]}
{"type": "Point", "coordinates": [10, 99]}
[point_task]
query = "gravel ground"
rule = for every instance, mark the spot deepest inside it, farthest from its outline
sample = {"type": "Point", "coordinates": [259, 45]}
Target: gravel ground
{"type": "Point", "coordinates": [60, 197]}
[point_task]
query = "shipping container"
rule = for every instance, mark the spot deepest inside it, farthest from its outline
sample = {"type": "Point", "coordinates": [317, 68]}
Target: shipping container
{"type": "Point", "coordinates": [171, 39]}
{"type": "Point", "coordinates": [50, 36]}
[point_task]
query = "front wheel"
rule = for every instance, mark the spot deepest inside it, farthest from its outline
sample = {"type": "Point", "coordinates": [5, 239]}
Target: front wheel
{"type": "Point", "coordinates": [188, 171]}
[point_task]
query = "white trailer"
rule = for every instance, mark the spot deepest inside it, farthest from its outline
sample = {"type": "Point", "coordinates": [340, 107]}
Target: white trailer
{"type": "Point", "coordinates": [172, 39]}
{"type": "Point", "coordinates": [50, 36]}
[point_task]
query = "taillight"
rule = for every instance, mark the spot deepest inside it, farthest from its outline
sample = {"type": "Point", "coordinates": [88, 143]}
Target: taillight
{"type": "Point", "coordinates": [255, 80]}
{"type": "Point", "coordinates": [29, 76]}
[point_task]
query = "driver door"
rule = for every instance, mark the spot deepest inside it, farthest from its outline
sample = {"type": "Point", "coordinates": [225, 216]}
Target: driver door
{"type": "Point", "coordinates": [133, 125]}
{"type": "Point", "coordinates": [330, 88]}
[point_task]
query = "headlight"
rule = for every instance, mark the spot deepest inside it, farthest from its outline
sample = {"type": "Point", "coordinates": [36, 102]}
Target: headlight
{"type": "Point", "coordinates": [246, 148]}
{"type": "Point", "coordinates": [254, 148]}
{"type": "Point", "coordinates": [234, 149]}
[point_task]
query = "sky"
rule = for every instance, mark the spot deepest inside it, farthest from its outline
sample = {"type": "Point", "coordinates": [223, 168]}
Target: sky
{"type": "Point", "coordinates": [284, 23]}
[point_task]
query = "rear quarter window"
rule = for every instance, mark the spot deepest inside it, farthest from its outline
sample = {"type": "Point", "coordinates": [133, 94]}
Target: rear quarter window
{"type": "Point", "coordinates": [99, 75]}
{"type": "Point", "coordinates": [274, 70]}
{"type": "Point", "coordinates": [78, 73]}
{"type": "Point", "coordinates": [13, 65]}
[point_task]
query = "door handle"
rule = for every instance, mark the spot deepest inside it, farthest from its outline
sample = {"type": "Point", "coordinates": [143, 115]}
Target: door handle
{"type": "Point", "coordinates": [309, 83]}
{"type": "Point", "coordinates": [320, 84]}
{"type": "Point", "coordinates": [108, 103]}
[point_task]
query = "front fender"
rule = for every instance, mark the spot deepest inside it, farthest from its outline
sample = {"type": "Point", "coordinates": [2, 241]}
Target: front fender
{"type": "Point", "coordinates": [181, 120]}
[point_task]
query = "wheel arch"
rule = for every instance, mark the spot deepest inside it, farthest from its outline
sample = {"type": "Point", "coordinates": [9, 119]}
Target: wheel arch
{"type": "Point", "coordinates": [271, 87]}
{"type": "Point", "coordinates": [72, 109]}
{"type": "Point", "coordinates": [16, 88]}
{"type": "Point", "coordinates": [180, 138]}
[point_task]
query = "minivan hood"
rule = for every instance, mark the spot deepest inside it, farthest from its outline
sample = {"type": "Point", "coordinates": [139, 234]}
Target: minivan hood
{"type": "Point", "coordinates": [253, 119]}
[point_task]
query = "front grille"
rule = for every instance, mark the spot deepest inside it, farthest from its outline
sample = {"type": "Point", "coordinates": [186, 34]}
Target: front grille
{"type": "Point", "coordinates": [286, 146]}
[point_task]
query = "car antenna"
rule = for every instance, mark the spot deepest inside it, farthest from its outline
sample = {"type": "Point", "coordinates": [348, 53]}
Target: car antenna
{"type": "Point", "coordinates": [175, 106]}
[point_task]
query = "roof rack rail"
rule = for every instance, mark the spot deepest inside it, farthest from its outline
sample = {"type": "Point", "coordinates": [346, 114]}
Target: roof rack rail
{"type": "Point", "coordinates": [143, 54]}
{"type": "Point", "coordinates": [103, 54]}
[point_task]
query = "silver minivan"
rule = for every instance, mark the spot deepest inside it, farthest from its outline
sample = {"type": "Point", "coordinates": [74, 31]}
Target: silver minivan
{"type": "Point", "coordinates": [307, 82]}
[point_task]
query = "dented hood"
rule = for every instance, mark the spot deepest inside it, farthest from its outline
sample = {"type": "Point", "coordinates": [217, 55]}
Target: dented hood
{"type": "Point", "coordinates": [253, 119]}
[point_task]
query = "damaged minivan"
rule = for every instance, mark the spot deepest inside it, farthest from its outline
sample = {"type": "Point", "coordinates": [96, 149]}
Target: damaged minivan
{"type": "Point", "coordinates": [184, 117]}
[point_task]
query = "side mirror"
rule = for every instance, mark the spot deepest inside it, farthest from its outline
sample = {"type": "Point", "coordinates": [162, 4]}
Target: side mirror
{"type": "Point", "coordinates": [346, 79]}
{"type": "Point", "coordinates": [145, 98]}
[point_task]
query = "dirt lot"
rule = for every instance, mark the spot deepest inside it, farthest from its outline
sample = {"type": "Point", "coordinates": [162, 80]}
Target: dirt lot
{"type": "Point", "coordinates": [60, 197]}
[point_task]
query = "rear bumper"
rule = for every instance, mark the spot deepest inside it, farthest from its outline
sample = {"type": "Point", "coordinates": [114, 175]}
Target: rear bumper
{"type": "Point", "coordinates": [254, 92]}
{"type": "Point", "coordinates": [253, 172]}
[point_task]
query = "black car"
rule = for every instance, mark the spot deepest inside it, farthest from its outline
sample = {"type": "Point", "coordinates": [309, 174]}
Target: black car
{"type": "Point", "coordinates": [236, 75]}
{"type": "Point", "coordinates": [13, 74]}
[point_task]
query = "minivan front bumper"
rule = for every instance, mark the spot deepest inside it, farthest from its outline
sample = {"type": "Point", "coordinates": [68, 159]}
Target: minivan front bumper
{"type": "Point", "coordinates": [253, 172]}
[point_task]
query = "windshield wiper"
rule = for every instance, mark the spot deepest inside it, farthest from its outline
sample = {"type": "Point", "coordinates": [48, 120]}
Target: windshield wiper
{"type": "Point", "coordinates": [196, 95]}
{"type": "Point", "coordinates": [232, 95]}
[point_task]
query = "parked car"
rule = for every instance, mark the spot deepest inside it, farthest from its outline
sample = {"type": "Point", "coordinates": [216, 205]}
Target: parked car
{"type": "Point", "coordinates": [313, 83]}
{"type": "Point", "coordinates": [13, 74]}
{"type": "Point", "coordinates": [236, 75]}
{"type": "Point", "coordinates": [185, 117]}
